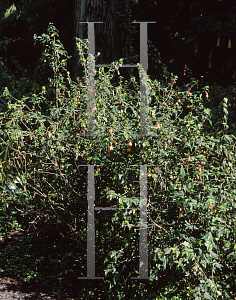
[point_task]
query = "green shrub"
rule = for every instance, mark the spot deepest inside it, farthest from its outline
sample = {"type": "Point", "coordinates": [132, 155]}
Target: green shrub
{"type": "Point", "coordinates": [191, 206]}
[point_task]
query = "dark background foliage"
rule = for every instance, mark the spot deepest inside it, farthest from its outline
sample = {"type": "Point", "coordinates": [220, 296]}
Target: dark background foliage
{"type": "Point", "coordinates": [181, 28]}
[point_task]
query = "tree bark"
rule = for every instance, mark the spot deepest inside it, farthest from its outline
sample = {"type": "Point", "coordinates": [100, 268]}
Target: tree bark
{"type": "Point", "coordinates": [106, 34]}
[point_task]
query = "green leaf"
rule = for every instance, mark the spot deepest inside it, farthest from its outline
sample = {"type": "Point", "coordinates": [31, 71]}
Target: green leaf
{"type": "Point", "coordinates": [5, 156]}
{"type": "Point", "coordinates": [164, 263]}
{"type": "Point", "coordinates": [179, 194]}
{"type": "Point", "coordinates": [225, 151]}
{"type": "Point", "coordinates": [182, 172]}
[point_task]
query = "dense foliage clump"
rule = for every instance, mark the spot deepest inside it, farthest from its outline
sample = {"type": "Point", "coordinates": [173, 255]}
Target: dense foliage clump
{"type": "Point", "coordinates": [190, 154]}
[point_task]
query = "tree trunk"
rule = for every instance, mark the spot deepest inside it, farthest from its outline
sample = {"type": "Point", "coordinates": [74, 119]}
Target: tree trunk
{"type": "Point", "coordinates": [107, 37]}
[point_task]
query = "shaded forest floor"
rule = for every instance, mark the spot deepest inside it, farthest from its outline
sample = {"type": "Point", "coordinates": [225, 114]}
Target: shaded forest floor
{"type": "Point", "coordinates": [12, 288]}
